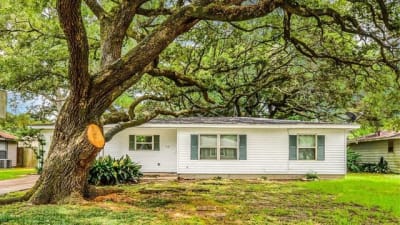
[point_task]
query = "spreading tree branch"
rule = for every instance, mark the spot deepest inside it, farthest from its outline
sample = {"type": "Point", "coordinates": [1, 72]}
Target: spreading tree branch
{"type": "Point", "coordinates": [70, 17]}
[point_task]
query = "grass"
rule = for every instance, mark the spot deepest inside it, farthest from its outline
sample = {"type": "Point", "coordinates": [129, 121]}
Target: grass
{"type": "Point", "coordinates": [372, 190]}
{"type": "Point", "coordinates": [6, 174]}
{"type": "Point", "coordinates": [357, 199]}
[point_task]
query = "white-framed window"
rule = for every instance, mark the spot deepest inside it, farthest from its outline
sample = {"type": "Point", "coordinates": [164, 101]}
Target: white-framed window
{"type": "Point", "coordinates": [3, 150]}
{"type": "Point", "coordinates": [208, 147]}
{"type": "Point", "coordinates": [229, 147]}
{"type": "Point", "coordinates": [218, 147]}
{"type": "Point", "coordinates": [306, 147]}
{"type": "Point", "coordinates": [144, 142]}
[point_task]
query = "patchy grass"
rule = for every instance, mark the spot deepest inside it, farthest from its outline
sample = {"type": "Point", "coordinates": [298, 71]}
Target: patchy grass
{"type": "Point", "coordinates": [372, 190]}
{"type": "Point", "coordinates": [358, 199]}
{"type": "Point", "coordinates": [6, 174]}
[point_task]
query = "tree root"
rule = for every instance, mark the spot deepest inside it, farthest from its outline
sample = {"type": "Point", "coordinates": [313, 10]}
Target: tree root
{"type": "Point", "coordinates": [23, 198]}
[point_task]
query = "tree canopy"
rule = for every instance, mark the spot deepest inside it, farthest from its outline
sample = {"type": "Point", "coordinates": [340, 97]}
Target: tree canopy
{"type": "Point", "coordinates": [129, 61]}
{"type": "Point", "coordinates": [298, 70]}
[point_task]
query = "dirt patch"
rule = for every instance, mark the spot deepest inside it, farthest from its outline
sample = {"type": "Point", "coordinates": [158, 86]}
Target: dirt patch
{"type": "Point", "coordinates": [161, 190]}
{"type": "Point", "coordinates": [114, 197]}
{"type": "Point", "coordinates": [171, 190]}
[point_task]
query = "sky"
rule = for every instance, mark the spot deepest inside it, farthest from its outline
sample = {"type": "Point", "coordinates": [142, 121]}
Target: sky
{"type": "Point", "coordinates": [17, 105]}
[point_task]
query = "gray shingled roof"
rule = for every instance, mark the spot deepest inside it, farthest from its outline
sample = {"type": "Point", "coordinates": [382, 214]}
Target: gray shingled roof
{"type": "Point", "coordinates": [378, 136]}
{"type": "Point", "coordinates": [228, 120]}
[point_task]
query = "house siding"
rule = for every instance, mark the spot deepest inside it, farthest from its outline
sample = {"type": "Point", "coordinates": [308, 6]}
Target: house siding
{"type": "Point", "coordinates": [163, 160]}
{"type": "Point", "coordinates": [48, 137]}
{"type": "Point", "coordinates": [267, 153]}
{"type": "Point", "coordinates": [12, 153]}
{"type": "Point", "coordinates": [372, 151]}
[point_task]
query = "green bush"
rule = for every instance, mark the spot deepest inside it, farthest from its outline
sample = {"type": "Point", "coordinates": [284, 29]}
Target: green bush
{"type": "Point", "coordinates": [110, 171]}
{"type": "Point", "coordinates": [312, 175]}
{"type": "Point", "coordinates": [353, 164]}
{"type": "Point", "coordinates": [380, 167]}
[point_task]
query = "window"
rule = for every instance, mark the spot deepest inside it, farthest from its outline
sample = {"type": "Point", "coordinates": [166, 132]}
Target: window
{"type": "Point", "coordinates": [219, 147]}
{"type": "Point", "coordinates": [229, 147]}
{"type": "Point", "coordinates": [144, 142]}
{"type": "Point", "coordinates": [208, 146]}
{"type": "Point", "coordinates": [3, 150]}
{"type": "Point", "coordinates": [306, 147]}
{"type": "Point", "coordinates": [390, 146]}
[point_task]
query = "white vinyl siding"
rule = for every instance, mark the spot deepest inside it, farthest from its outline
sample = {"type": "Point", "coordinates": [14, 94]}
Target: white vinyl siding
{"type": "Point", "coordinates": [267, 153]}
{"type": "Point", "coordinates": [372, 151]}
{"type": "Point", "coordinates": [12, 153]}
{"type": "Point", "coordinates": [163, 160]}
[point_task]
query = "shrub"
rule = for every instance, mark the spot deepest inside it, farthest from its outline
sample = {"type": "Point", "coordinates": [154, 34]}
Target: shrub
{"type": "Point", "coordinates": [110, 171]}
{"type": "Point", "coordinates": [353, 163]}
{"type": "Point", "coordinates": [380, 167]}
{"type": "Point", "coordinates": [312, 176]}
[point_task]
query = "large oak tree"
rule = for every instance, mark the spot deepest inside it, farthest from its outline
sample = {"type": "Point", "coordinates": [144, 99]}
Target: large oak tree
{"type": "Point", "coordinates": [355, 35]}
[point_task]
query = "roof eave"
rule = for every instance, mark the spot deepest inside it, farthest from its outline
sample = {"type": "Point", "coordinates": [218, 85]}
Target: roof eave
{"type": "Point", "coordinates": [371, 140]}
{"type": "Point", "coordinates": [259, 126]}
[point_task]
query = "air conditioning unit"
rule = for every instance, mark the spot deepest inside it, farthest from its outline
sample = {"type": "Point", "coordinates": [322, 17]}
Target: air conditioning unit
{"type": "Point", "coordinates": [5, 163]}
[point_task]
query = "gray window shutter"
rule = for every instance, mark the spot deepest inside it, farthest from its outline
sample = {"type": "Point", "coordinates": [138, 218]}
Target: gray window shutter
{"type": "Point", "coordinates": [321, 147]}
{"type": "Point", "coordinates": [242, 147]}
{"type": "Point", "coordinates": [292, 147]}
{"type": "Point", "coordinates": [156, 140]}
{"type": "Point", "coordinates": [132, 145]}
{"type": "Point", "coordinates": [194, 147]}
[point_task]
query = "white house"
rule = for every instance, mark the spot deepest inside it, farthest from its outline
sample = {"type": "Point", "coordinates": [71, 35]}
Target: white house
{"type": "Point", "coordinates": [232, 146]}
{"type": "Point", "coordinates": [8, 150]}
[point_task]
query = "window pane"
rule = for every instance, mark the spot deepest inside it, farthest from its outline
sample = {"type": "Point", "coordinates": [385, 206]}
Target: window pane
{"type": "Point", "coordinates": [144, 147]}
{"type": "Point", "coordinates": [144, 138]}
{"type": "Point", "coordinates": [306, 153]}
{"type": "Point", "coordinates": [228, 153]}
{"type": "Point", "coordinates": [306, 141]}
{"type": "Point", "coordinates": [208, 140]}
{"type": "Point", "coordinates": [2, 145]}
{"type": "Point", "coordinates": [229, 140]}
{"type": "Point", "coordinates": [208, 153]}
{"type": "Point", "coordinates": [3, 154]}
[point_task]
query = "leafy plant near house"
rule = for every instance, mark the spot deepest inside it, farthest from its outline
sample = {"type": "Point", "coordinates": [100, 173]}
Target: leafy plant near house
{"type": "Point", "coordinates": [110, 171]}
{"type": "Point", "coordinates": [381, 167]}
{"type": "Point", "coordinates": [312, 176]}
{"type": "Point", "coordinates": [353, 161]}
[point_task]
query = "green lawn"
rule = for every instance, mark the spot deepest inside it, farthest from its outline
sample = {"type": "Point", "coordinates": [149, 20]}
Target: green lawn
{"type": "Point", "coordinates": [357, 199]}
{"type": "Point", "coordinates": [6, 174]}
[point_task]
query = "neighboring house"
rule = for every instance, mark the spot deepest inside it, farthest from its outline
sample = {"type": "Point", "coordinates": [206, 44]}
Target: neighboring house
{"type": "Point", "coordinates": [232, 146]}
{"type": "Point", "coordinates": [8, 150]}
{"type": "Point", "coordinates": [372, 147]}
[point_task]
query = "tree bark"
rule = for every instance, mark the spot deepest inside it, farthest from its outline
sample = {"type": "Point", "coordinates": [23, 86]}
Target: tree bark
{"type": "Point", "coordinates": [65, 170]}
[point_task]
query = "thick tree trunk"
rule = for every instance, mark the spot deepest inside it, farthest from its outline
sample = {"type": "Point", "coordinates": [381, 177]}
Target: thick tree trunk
{"type": "Point", "coordinates": [64, 174]}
